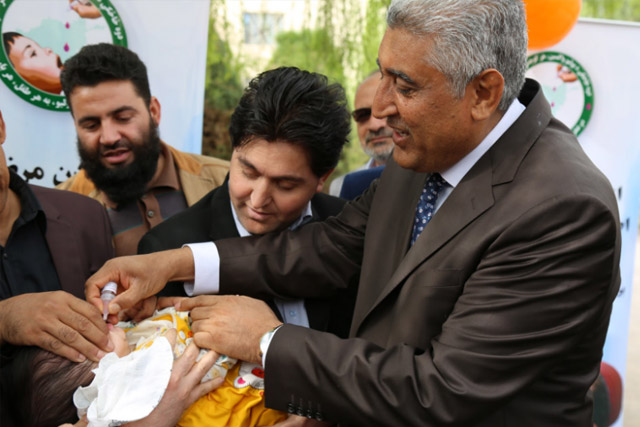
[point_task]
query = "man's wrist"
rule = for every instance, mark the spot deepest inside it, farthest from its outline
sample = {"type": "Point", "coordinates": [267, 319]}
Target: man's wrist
{"type": "Point", "coordinates": [178, 265]}
{"type": "Point", "coordinates": [265, 341]}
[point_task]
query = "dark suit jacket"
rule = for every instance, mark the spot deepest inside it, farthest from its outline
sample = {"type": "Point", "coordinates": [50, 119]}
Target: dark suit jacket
{"type": "Point", "coordinates": [495, 317]}
{"type": "Point", "coordinates": [78, 235]}
{"type": "Point", "coordinates": [211, 219]}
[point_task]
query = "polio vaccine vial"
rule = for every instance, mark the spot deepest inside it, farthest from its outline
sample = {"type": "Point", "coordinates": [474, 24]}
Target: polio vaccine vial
{"type": "Point", "coordinates": [108, 293]}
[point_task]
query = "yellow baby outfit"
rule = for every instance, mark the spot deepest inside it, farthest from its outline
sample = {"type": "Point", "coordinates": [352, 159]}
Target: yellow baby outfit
{"type": "Point", "coordinates": [238, 402]}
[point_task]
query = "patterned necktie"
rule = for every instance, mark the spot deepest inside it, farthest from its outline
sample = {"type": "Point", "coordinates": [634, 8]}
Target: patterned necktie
{"type": "Point", "coordinates": [426, 204]}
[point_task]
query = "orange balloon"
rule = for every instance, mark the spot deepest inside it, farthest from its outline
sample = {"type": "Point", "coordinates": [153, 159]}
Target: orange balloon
{"type": "Point", "coordinates": [549, 21]}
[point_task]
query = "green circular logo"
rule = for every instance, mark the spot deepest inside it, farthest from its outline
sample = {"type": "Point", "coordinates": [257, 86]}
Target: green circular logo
{"type": "Point", "coordinates": [566, 85]}
{"type": "Point", "coordinates": [35, 41]}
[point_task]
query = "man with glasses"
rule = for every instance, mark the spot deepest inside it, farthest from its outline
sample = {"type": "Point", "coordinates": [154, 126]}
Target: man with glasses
{"type": "Point", "coordinates": [373, 133]}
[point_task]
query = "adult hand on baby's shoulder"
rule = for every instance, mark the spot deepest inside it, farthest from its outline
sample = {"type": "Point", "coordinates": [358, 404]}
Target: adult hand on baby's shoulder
{"type": "Point", "coordinates": [172, 336]}
{"type": "Point", "coordinates": [55, 321]}
{"type": "Point", "coordinates": [164, 302]}
{"type": "Point", "coordinates": [184, 388]}
{"type": "Point", "coordinates": [231, 325]}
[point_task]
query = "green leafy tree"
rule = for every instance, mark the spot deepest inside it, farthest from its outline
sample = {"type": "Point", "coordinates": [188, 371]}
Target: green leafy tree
{"type": "Point", "coordinates": [223, 88]}
{"type": "Point", "coordinates": [341, 42]}
{"type": "Point", "coordinates": [623, 10]}
{"type": "Point", "coordinates": [343, 45]}
{"type": "Point", "coordinates": [311, 50]}
{"type": "Point", "coordinates": [314, 50]}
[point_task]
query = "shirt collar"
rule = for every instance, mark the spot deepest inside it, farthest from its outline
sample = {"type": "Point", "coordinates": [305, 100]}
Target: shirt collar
{"type": "Point", "coordinates": [455, 173]}
{"type": "Point", "coordinates": [369, 164]}
{"type": "Point", "coordinates": [303, 219]}
{"type": "Point", "coordinates": [29, 205]}
{"type": "Point", "coordinates": [168, 176]}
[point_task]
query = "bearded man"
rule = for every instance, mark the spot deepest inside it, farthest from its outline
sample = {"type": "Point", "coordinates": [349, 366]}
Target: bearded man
{"type": "Point", "coordinates": [140, 179]}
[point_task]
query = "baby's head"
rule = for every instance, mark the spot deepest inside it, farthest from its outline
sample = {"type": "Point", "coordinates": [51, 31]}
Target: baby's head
{"type": "Point", "coordinates": [37, 386]}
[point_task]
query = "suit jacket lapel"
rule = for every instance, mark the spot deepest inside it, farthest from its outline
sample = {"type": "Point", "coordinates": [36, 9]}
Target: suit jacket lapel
{"type": "Point", "coordinates": [463, 205]}
{"type": "Point", "coordinates": [63, 248]}
{"type": "Point", "coordinates": [222, 225]}
{"type": "Point", "coordinates": [388, 231]}
{"type": "Point", "coordinates": [472, 197]}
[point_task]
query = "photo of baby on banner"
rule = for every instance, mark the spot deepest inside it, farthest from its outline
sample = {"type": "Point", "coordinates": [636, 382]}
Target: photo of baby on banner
{"type": "Point", "coordinates": [39, 36]}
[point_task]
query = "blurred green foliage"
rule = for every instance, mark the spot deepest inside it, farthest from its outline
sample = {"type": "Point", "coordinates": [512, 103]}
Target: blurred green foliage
{"type": "Point", "coordinates": [222, 84]}
{"type": "Point", "coordinates": [341, 43]}
{"type": "Point", "coordinates": [623, 10]}
{"type": "Point", "coordinates": [309, 49]}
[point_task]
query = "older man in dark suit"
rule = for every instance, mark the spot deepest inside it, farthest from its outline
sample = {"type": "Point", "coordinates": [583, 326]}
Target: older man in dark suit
{"type": "Point", "coordinates": [488, 251]}
{"type": "Point", "coordinates": [51, 241]}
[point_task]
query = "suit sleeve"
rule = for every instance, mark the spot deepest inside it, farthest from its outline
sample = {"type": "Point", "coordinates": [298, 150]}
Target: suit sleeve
{"type": "Point", "coordinates": [315, 261]}
{"type": "Point", "coordinates": [150, 243]}
{"type": "Point", "coordinates": [545, 286]}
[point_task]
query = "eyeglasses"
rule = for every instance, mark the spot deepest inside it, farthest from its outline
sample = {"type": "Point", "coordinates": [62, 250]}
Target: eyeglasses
{"type": "Point", "coordinates": [361, 115]}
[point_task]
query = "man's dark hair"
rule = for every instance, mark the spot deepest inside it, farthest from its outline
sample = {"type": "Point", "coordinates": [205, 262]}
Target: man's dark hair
{"type": "Point", "coordinates": [103, 62]}
{"type": "Point", "coordinates": [8, 39]}
{"type": "Point", "coordinates": [297, 107]}
{"type": "Point", "coordinates": [36, 387]}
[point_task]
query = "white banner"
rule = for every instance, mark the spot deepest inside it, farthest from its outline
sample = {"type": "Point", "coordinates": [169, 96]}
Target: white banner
{"type": "Point", "coordinates": [170, 36]}
{"type": "Point", "coordinates": [591, 81]}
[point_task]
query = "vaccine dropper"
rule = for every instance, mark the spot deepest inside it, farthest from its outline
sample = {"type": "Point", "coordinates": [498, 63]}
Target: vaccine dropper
{"type": "Point", "coordinates": [108, 293]}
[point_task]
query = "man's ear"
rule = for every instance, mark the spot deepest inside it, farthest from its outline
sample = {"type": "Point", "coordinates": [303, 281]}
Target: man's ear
{"type": "Point", "coordinates": [155, 110]}
{"type": "Point", "coordinates": [487, 88]}
{"type": "Point", "coordinates": [322, 180]}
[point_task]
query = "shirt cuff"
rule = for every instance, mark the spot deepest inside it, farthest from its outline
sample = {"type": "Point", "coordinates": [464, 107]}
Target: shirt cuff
{"type": "Point", "coordinates": [206, 261]}
{"type": "Point", "coordinates": [265, 341]}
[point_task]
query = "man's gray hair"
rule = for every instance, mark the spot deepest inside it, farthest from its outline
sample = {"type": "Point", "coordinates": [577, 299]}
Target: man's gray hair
{"type": "Point", "coordinates": [469, 37]}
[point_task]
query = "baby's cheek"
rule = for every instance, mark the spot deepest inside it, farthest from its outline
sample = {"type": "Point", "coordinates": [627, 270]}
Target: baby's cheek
{"type": "Point", "coordinates": [120, 343]}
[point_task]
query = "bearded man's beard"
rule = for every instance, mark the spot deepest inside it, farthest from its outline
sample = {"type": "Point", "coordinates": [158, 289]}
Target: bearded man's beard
{"type": "Point", "coordinates": [379, 154]}
{"type": "Point", "coordinates": [127, 183]}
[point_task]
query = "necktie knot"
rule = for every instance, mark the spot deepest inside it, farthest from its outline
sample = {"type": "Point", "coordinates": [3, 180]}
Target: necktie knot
{"type": "Point", "coordinates": [426, 204]}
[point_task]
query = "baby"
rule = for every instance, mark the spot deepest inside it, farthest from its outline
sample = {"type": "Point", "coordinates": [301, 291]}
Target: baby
{"type": "Point", "coordinates": [45, 398]}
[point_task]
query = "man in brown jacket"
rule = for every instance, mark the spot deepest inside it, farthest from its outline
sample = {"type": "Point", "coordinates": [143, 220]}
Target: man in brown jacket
{"type": "Point", "coordinates": [124, 164]}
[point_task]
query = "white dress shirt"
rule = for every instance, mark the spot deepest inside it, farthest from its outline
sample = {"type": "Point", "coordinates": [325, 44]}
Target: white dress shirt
{"type": "Point", "coordinates": [291, 311]}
